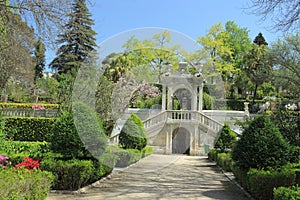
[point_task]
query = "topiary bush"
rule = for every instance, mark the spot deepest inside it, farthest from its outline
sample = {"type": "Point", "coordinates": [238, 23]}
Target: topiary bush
{"type": "Point", "coordinates": [226, 139]}
{"type": "Point", "coordinates": [65, 139]}
{"type": "Point", "coordinates": [133, 134]}
{"type": "Point", "coordinates": [89, 128]}
{"type": "Point", "coordinates": [261, 146]}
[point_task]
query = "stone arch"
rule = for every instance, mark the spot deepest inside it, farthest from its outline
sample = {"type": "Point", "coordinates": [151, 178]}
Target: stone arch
{"type": "Point", "coordinates": [181, 141]}
{"type": "Point", "coordinates": [184, 96]}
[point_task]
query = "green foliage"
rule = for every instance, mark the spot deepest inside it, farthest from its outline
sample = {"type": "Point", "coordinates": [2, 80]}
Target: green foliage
{"type": "Point", "coordinates": [28, 128]}
{"type": "Point", "coordinates": [133, 134]}
{"type": "Point", "coordinates": [226, 140]}
{"type": "Point", "coordinates": [288, 123]}
{"type": "Point", "coordinates": [287, 193]}
{"type": "Point", "coordinates": [261, 145]}
{"type": "Point", "coordinates": [147, 151]}
{"type": "Point", "coordinates": [22, 147]}
{"type": "Point", "coordinates": [26, 105]}
{"type": "Point", "coordinates": [212, 155]}
{"type": "Point", "coordinates": [71, 174]}
{"type": "Point", "coordinates": [127, 157]}
{"type": "Point", "coordinates": [23, 184]}
{"type": "Point", "coordinates": [89, 129]}
{"type": "Point", "coordinates": [224, 161]}
{"type": "Point", "coordinates": [74, 50]}
{"type": "Point", "coordinates": [262, 182]}
{"type": "Point", "coordinates": [207, 101]}
{"type": "Point", "coordinates": [65, 139]}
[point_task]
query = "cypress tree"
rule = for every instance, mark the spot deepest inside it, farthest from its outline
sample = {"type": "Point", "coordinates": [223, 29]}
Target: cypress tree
{"type": "Point", "coordinates": [77, 41]}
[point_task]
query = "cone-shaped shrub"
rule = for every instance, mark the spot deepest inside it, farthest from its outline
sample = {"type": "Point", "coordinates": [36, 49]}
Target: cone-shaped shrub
{"type": "Point", "coordinates": [226, 140]}
{"type": "Point", "coordinates": [133, 134]}
{"type": "Point", "coordinates": [260, 146]}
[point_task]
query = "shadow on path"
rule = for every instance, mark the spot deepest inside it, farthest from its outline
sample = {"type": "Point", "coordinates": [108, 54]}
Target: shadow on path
{"type": "Point", "coordinates": [163, 177]}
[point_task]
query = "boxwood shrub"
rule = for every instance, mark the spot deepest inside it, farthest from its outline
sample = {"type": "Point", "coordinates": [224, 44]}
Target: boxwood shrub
{"type": "Point", "coordinates": [262, 182]}
{"type": "Point", "coordinates": [133, 134]}
{"type": "Point", "coordinates": [69, 175]}
{"type": "Point", "coordinates": [23, 184]}
{"type": "Point", "coordinates": [28, 128]}
{"type": "Point", "coordinates": [287, 193]}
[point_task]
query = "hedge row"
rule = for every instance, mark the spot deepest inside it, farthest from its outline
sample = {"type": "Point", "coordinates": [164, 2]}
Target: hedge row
{"type": "Point", "coordinates": [23, 184]}
{"type": "Point", "coordinates": [27, 105]}
{"type": "Point", "coordinates": [287, 193]}
{"type": "Point", "coordinates": [28, 128]}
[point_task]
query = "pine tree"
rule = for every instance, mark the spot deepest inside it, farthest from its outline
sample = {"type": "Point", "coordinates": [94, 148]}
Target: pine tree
{"type": "Point", "coordinates": [76, 42]}
{"type": "Point", "coordinates": [260, 40]}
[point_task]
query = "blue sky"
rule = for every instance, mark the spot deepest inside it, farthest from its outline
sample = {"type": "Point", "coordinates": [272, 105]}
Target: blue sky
{"type": "Point", "coordinates": [192, 18]}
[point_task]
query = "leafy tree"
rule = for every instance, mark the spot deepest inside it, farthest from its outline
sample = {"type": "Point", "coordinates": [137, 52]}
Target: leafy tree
{"type": "Point", "coordinates": [77, 42]}
{"type": "Point", "coordinates": [226, 140]}
{"type": "Point", "coordinates": [261, 146]}
{"type": "Point", "coordinates": [285, 14]}
{"type": "Point", "coordinates": [16, 62]}
{"type": "Point", "coordinates": [257, 63]}
{"type": "Point", "coordinates": [39, 59]}
{"type": "Point", "coordinates": [225, 46]}
{"type": "Point", "coordinates": [154, 53]}
{"type": "Point", "coordinates": [285, 55]}
{"type": "Point", "coordinates": [47, 87]}
{"type": "Point", "coordinates": [133, 134]}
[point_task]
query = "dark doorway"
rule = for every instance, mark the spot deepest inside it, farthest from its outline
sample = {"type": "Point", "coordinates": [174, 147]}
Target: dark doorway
{"type": "Point", "coordinates": [181, 141]}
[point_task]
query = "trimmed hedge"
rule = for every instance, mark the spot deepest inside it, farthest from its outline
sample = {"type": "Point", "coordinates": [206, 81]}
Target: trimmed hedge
{"type": "Point", "coordinates": [263, 182]}
{"type": "Point", "coordinates": [69, 175]}
{"type": "Point", "coordinates": [28, 128]}
{"type": "Point", "coordinates": [27, 105]}
{"type": "Point", "coordinates": [287, 193]}
{"type": "Point", "coordinates": [128, 157]}
{"type": "Point", "coordinates": [23, 184]}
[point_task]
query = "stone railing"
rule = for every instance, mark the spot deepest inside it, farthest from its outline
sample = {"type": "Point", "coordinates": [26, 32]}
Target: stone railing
{"type": "Point", "coordinates": [29, 112]}
{"type": "Point", "coordinates": [185, 115]}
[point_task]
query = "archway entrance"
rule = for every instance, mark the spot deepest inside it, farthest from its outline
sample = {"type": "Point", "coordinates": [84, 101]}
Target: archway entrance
{"type": "Point", "coordinates": [184, 97]}
{"type": "Point", "coordinates": [180, 141]}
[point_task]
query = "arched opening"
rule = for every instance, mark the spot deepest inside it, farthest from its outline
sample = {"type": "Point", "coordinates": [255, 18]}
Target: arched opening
{"type": "Point", "coordinates": [180, 141]}
{"type": "Point", "coordinates": [184, 98]}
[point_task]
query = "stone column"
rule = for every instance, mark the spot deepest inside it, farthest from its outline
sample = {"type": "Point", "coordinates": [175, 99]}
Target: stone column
{"type": "Point", "coordinates": [169, 140]}
{"type": "Point", "coordinates": [169, 102]}
{"type": "Point", "coordinates": [194, 98]}
{"type": "Point", "coordinates": [200, 100]}
{"type": "Point", "coordinates": [194, 149]}
{"type": "Point", "coordinates": [164, 98]}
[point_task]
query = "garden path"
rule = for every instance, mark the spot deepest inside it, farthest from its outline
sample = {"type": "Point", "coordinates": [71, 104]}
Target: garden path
{"type": "Point", "coordinates": [163, 177]}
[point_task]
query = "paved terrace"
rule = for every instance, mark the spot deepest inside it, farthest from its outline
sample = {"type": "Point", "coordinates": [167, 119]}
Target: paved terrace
{"type": "Point", "coordinates": [162, 177]}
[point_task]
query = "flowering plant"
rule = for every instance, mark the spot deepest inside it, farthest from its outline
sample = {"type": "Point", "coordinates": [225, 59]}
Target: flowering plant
{"type": "Point", "coordinates": [4, 161]}
{"type": "Point", "coordinates": [29, 164]}
{"type": "Point", "coordinates": [38, 107]}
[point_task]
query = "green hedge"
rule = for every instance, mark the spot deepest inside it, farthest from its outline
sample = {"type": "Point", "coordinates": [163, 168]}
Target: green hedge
{"type": "Point", "coordinates": [69, 175]}
{"type": "Point", "coordinates": [28, 128]}
{"type": "Point", "coordinates": [126, 157]}
{"type": "Point", "coordinates": [262, 182]}
{"type": "Point", "coordinates": [23, 184]}
{"type": "Point", "coordinates": [133, 134]}
{"type": "Point", "coordinates": [27, 105]}
{"type": "Point", "coordinates": [287, 193]}
{"type": "Point", "coordinates": [224, 161]}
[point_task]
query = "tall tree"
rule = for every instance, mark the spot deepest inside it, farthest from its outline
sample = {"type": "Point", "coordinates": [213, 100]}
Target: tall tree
{"type": "Point", "coordinates": [284, 14]}
{"type": "Point", "coordinates": [257, 66]}
{"type": "Point", "coordinates": [77, 42]}
{"type": "Point", "coordinates": [47, 16]}
{"type": "Point", "coordinates": [285, 55]}
{"type": "Point", "coordinates": [39, 59]}
{"type": "Point", "coordinates": [15, 52]}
